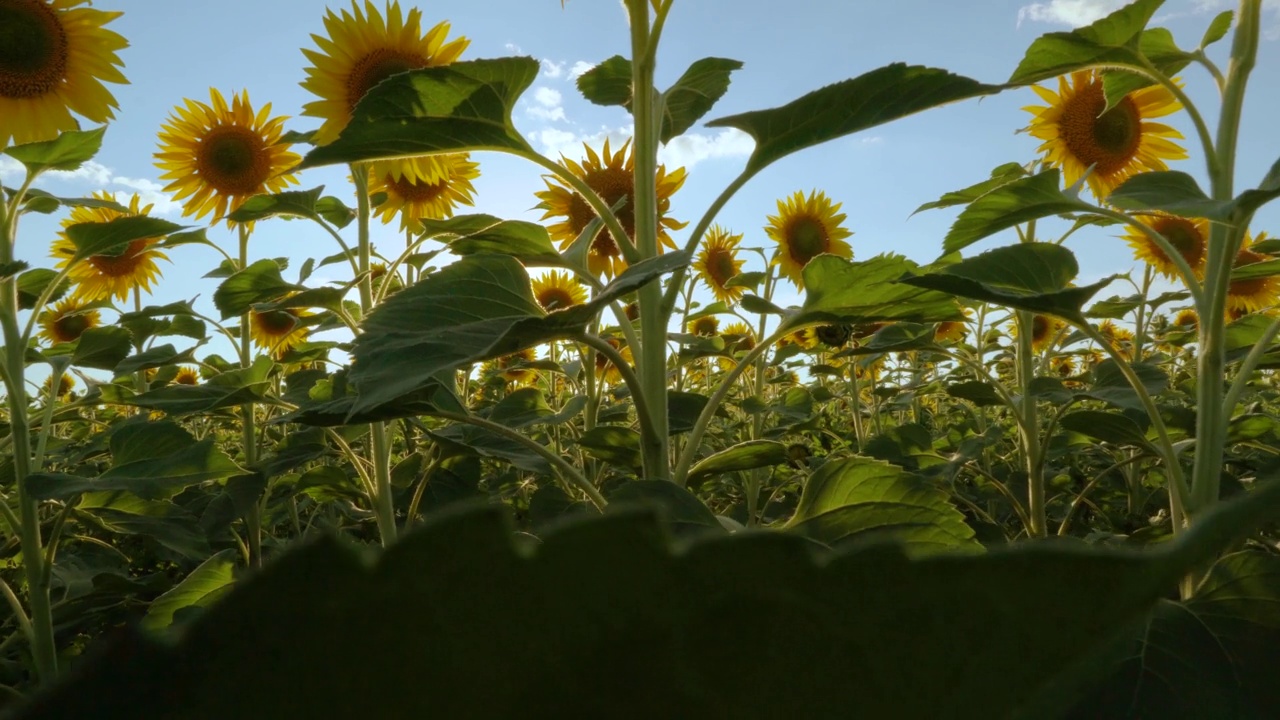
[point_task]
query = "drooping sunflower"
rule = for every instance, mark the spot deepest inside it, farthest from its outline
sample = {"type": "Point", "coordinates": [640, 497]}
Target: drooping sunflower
{"type": "Point", "coordinates": [1122, 141]}
{"type": "Point", "coordinates": [1119, 338]}
{"type": "Point", "coordinates": [1190, 237]}
{"type": "Point", "coordinates": [66, 384]}
{"type": "Point", "coordinates": [362, 49]}
{"type": "Point", "coordinates": [117, 272]}
{"type": "Point", "coordinates": [187, 376]}
{"type": "Point", "coordinates": [605, 369]}
{"type": "Point", "coordinates": [952, 331]}
{"type": "Point", "coordinates": [423, 187]}
{"type": "Point", "coordinates": [217, 156]}
{"type": "Point", "coordinates": [738, 337]}
{"type": "Point", "coordinates": [805, 228]}
{"type": "Point", "coordinates": [1064, 366]}
{"type": "Point", "coordinates": [68, 320]}
{"type": "Point", "coordinates": [510, 368]}
{"type": "Point", "coordinates": [1044, 331]}
{"type": "Point", "coordinates": [611, 176]}
{"type": "Point", "coordinates": [706, 326]}
{"type": "Point", "coordinates": [1186, 319]}
{"type": "Point", "coordinates": [54, 57]}
{"type": "Point", "coordinates": [558, 290]}
{"type": "Point", "coordinates": [278, 331]}
{"type": "Point", "coordinates": [1254, 294]}
{"type": "Point", "coordinates": [718, 263]}
{"type": "Point", "coordinates": [804, 338]}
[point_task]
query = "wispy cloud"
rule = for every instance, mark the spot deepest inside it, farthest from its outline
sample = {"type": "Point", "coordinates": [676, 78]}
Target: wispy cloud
{"type": "Point", "coordinates": [579, 68]}
{"type": "Point", "coordinates": [551, 68]}
{"type": "Point", "coordinates": [95, 176]}
{"type": "Point", "coordinates": [691, 149]}
{"type": "Point", "coordinates": [1069, 12]}
{"type": "Point", "coordinates": [546, 104]}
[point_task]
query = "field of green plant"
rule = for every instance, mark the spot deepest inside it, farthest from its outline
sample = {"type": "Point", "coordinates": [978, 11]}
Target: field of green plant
{"type": "Point", "coordinates": [597, 466]}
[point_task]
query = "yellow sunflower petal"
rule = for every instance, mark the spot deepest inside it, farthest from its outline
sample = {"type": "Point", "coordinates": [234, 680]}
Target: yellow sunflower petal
{"type": "Point", "coordinates": [805, 228]}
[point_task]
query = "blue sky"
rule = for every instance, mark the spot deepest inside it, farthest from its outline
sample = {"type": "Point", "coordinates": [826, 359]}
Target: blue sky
{"type": "Point", "coordinates": [180, 49]}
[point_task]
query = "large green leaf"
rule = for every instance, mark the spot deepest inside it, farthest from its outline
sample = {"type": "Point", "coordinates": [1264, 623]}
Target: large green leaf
{"type": "Point", "coordinates": [470, 234]}
{"type": "Point", "coordinates": [33, 283]}
{"type": "Point", "coordinates": [1001, 175]}
{"type": "Point", "coordinates": [294, 203]}
{"type": "Point", "coordinates": [155, 520]}
{"type": "Point", "coordinates": [843, 291]}
{"type": "Point", "coordinates": [1009, 205]}
{"type": "Point", "coordinates": [208, 582]}
{"type": "Point", "coordinates": [1106, 426]}
{"type": "Point", "coordinates": [743, 456]}
{"type": "Point", "coordinates": [859, 498]}
{"type": "Point", "coordinates": [1112, 39]}
{"type": "Point", "coordinates": [680, 508]}
{"type": "Point", "coordinates": [68, 151]}
{"type": "Point", "coordinates": [1268, 190]}
{"type": "Point", "coordinates": [874, 98]}
{"type": "Point", "coordinates": [614, 444]}
{"type": "Point", "coordinates": [158, 356]}
{"type": "Point", "coordinates": [1158, 47]}
{"type": "Point", "coordinates": [452, 108]}
{"type": "Point", "coordinates": [109, 238]}
{"type": "Point", "coordinates": [623, 622]}
{"type": "Point", "coordinates": [1173, 192]}
{"type": "Point", "coordinates": [228, 389]}
{"type": "Point", "coordinates": [259, 283]}
{"type": "Point", "coordinates": [478, 308]}
{"type": "Point", "coordinates": [102, 347]}
{"type": "Point", "coordinates": [1027, 276]}
{"type": "Point", "coordinates": [608, 83]}
{"type": "Point", "coordinates": [684, 103]}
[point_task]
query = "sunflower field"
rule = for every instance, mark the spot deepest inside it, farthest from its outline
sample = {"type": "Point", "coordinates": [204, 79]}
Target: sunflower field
{"type": "Point", "coordinates": [600, 465]}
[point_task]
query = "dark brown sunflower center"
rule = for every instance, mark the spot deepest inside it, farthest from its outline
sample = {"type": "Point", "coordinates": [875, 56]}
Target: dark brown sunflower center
{"type": "Point", "coordinates": [806, 240]}
{"type": "Point", "coordinates": [611, 184]}
{"type": "Point", "coordinates": [123, 264]}
{"type": "Point", "coordinates": [33, 49]}
{"type": "Point", "coordinates": [409, 190]}
{"type": "Point", "coordinates": [706, 326]}
{"type": "Point", "coordinates": [720, 267]}
{"type": "Point", "coordinates": [69, 328]}
{"type": "Point", "coordinates": [1108, 139]}
{"type": "Point", "coordinates": [376, 67]}
{"type": "Point", "coordinates": [276, 323]}
{"type": "Point", "coordinates": [1040, 327]}
{"type": "Point", "coordinates": [554, 298]}
{"type": "Point", "coordinates": [1184, 236]}
{"type": "Point", "coordinates": [234, 160]}
{"type": "Point", "coordinates": [186, 377]}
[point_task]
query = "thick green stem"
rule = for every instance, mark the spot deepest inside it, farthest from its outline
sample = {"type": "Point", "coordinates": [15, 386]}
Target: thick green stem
{"type": "Point", "coordinates": [248, 429]}
{"type": "Point", "coordinates": [1030, 429]}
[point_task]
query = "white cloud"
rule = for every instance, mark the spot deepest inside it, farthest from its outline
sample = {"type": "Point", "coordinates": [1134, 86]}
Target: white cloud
{"type": "Point", "coordinates": [579, 68]}
{"type": "Point", "coordinates": [548, 97]}
{"type": "Point", "coordinates": [546, 104]}
{"type": "Point", "coordinates": [871, 140]}
{"type": "Point", "coordinates": [96, 176]}
{"type": "Point", "coordinates": [1069, 12]}
{"type": "Point", "coordinates": [689, 150]}
{"type": "Point", "coordinates": [514, 48]}
{"type": "Point", "coordinates": [551, 68]}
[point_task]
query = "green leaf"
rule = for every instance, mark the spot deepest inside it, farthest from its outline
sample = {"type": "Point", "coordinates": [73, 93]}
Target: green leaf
{"type": "Point", "coordinates": [694, 94]}
{"type": "Point", "coordinates": [89, 202]}
{"type": "Point", "coordinates": [453, 108]}
{"type": "Point", "coordinates": [1112, 39]}
{"type": "Point", "coordinates": [1217, 29]}
{"type": "Point", "coordinates": [1158, 47]}
{"type": "Point", "coordinates": [679, 507]}
{"type": "Point", "coordinates": [155, 357]}
{"type": "Point", "coordinates": [521, 408]}
{"type": "Point", "coordinates": [293, 203]}
{"type": "Point", "coordinates": [156, 520]}
{"type": "Point", "coordinates": [259, 283]}
{"type": "Point", "coordinates": [1255, 271]}
{"type": "Point", "coordinates": [453, 600]}
{"type": "Point", "coordinates": [33, 283]}
{"type": "Point", "coordinates": [150, 478]}
{"type": "Point", "coordinates": [843, 291]}
{"type": "Point", "coordinates": [1268, 190]}
{"type": "Point", "coordinates": [608, 83]}
{"type": "Point", "coordinates": [759, 306]}
{"type": "Point", "coordinates": [897, 337]}
{"type": "Point", "coordinates": [102, 348]}
{"type": "Point", "coordinates": [470, 234]}
{"type": "Point", "coordinates": [107, 238]}
{"type": "Point", "coordinates": [1173, 192]}
{"type": "Point", "coordinates": [1027, 276]}
{"type": "Point", "coordinates": [469, 440]}
{"type": "Point", "coordinates": [977, 392]}
{"type": "Point", "coordinates": [743, 456]}
{"type": "Point", "coordinates": [208, 582]}
{"type": "Point", "coordinates": [1009, 205]}
{"type": "Point", "coordinates": [1000, 176]}
{"type": "Point", "coordinates": [613, 444]}
{"type": "Point", "coordinates": [1112, 387]}
{"type": "Point", "coordinates": [874, 98]}
{"type": "Point", "coordinates": [235, 387]}
{"type": "Point", "coordinates": [1107, 427]}
{"type": "Point", "coordinates": [683, 410]}
{"type": "Point", "coordinates": [68, 151]}
{"type": "Point", "coordinates": [857, 498]}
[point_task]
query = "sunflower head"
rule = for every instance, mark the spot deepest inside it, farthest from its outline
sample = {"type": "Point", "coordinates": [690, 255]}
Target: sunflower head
{"type": "Point", "coordinates": [216, 156]}
{"type": "Point", "coordinates": [66, 384]}
{"type": "Point", "coordinates": [67, 320]}
{"type": "Point", "coordinates": [114, 273]}
{"type": "Point", "coordinates": [738, 337]}
{"type": "Point", "coordinates": [1190, 237]}
{"type": "Point", "coordinates": [706, 326]}
{"type": "Point", "coordinates": [805, 228]}
{"type": "Point", "coordinates": [1044, 331]}
{"type": "Point", "coordinates": [718, 263]}
{"type": "Point", "coordinates": [605, 369]}
{"type": "Point", "coordinates": [834, 336]}
{"type": "Point", "coordinates": [187, 376]}
{"type": "Point", "coordinates": [422, 188]}
{"type": "Point", "coordinates": [278, 331]}
{"type": "Point", "coordinates": [611, 176]}
{"type": "Point", "coordinates": [804, 338]}
{"type": "Point", "coordinates": [1254, 294]}
{"type": "Point", "coordinates": [558, 290]}
{"type": "Point", "coordinates": [1117, 337]}
{"type": "Point", "coordinates": [952, 331]}
{"type": "Point", "coordinates": [364, 47]}
{"type": "Point", "coordinates": [1064, 366]}
{"type": "Point", "coordinates": [54, 57]}
{"type": "Point", "coordinates": [511, 370]}
{"type": "Point", "coordinates": [1118, 143]}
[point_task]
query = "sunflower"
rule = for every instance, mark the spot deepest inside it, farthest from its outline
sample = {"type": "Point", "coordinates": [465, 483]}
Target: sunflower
{"type": "Point", "coordinates": [1254, 294]}
{"type": "Point", "coordinates": [1116, 336]}
{"type": "Point", "coordinates": [187, 376]}
{"type": "Point", "coordinates": [804, 229]}
{"type": "Point", "coordinates": [277, 331]}
{"type": "Point", "coordinates": [510, 368]}
{"type": "Point", "coordinates": [217, 156]}
{"type": "Point", "coordinates": [1044, 331]}
{"type": "Point", "coordinates": [114, 273]}
{"type": "Point", "coordinates": [611, 176]}
{"type": "Point", "coordinates": [66, 384]}
{"type": "Point", "coordinates": [605, 369]}
{"type": "Point", "coordinates": [68, 320]}
{"type": "Point", "coordinates": [718, 263]}
{"type": "Point", "coordinates": [738, 337]}
{"type": "Point", "coordinates": [54, 57]}
{"type": "Point", "coordinates": [363, 49]}
{"type": "Point", "coordinates": [1190, 237]}
{"type": "Point", "coordinates": [1119, 143]}
{"type": "Point", "coordinates": [558, 290]}
{"type": "Point", "coordinates": [423, 188]}
{"type": "Point", "coordinates": [1064, 366]}
{"type": "Point", "coordinates": [706, 326]}
{"type": "Point", "coordinates": [1186, 319]}
{"type": "Point", "coordinates": [952, 331]}
{"type": "Point", "coordinates": [804, 338]}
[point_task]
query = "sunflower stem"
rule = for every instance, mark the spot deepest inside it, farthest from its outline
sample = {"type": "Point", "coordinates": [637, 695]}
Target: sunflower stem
{"type": "Point", "coordinates": [1030, 428]}
{"type": "Point", "coordinates": [1224, 240]}
{"type": "Point", "coordinates": [652, 357]}
{"type": "Point", "coordinates": [248, 434]}
{"type": "Point", "coordinates": [384, 510]}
